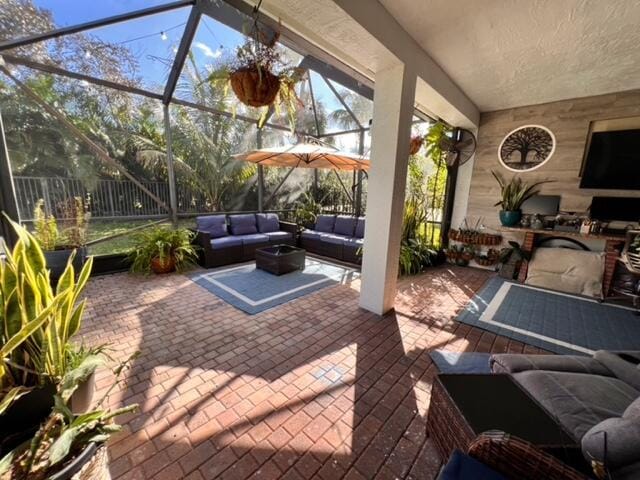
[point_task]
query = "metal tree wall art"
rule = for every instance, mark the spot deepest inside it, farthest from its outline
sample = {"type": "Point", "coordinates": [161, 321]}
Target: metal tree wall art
{"type": "Point", "coordinates": [526, 148]}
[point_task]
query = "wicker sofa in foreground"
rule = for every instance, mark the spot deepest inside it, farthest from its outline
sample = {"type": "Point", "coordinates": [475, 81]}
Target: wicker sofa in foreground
{"type": "Point", "coordinates": [227, 239]}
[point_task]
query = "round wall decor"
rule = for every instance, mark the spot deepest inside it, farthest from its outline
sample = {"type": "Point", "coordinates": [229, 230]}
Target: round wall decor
{"type": "Point", "coordinates": [526, 148]}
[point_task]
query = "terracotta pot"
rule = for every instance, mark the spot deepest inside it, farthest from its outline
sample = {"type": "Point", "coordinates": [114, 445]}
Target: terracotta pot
{"type": "Point", "coordinates": [415, 144]}
{"type": "Point", "coordinates": [253, 88]}
{"type": "Point", "coordinates": [168, 266]}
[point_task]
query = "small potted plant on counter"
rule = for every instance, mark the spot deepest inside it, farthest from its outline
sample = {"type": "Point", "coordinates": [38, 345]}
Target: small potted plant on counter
{"type": "Point", "coordinates": [513, 194]}
{"type": "Point", "coordinates": [163, 250]}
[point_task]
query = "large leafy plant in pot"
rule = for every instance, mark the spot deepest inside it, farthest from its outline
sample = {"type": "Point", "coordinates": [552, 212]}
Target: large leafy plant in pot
{"type": "Point", "coordinates": [260, 77]}
{"type": "Point", "coordinates": [513, 194]}
{"type": "Point", "coordinates": [41, 369]}
{"type": "Point", "coordinates": [163, 250]}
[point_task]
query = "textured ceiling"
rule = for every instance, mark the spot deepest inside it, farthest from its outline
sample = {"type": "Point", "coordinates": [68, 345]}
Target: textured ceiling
{"type": "Point", "coordinates": [508, 53]}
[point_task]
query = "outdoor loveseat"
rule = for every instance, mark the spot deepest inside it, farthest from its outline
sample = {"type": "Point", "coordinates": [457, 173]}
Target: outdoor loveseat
{"type": "Point", "coordinates": [227, 239]}
{"type": "Point", "coordinates": [336, 236]}
{"type": "Point", "coordinates": [595, 399]}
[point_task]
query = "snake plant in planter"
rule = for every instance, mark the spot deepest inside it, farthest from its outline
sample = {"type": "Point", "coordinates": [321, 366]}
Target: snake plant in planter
{"type": "Point", "coordinates": [40, 367]}
{"type": "Point", "coordinates": [513, 194]}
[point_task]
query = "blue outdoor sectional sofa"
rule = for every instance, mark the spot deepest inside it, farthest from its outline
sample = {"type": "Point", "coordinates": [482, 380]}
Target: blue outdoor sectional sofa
{"type": "Point", "coordinates": [227, 239]}
{"type": "Point", "coordinates": [336, 236]}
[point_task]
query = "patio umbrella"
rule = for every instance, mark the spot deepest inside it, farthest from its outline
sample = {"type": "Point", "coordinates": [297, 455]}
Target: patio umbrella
{"type": "Point", "coordinates": [306, 155]}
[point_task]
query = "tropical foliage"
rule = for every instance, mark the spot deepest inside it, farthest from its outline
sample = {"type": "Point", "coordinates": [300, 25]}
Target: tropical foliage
{"type": "Point", "coordinates": [165, 245]}
{"type": "Point", "coordinates": [38, 324]}
{"type": "Point", "coordinates": [37, 321]}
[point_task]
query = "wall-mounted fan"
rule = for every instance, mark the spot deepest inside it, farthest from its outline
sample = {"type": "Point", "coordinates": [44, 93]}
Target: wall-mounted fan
{"type": "Point", "coordinates": [459, 148]}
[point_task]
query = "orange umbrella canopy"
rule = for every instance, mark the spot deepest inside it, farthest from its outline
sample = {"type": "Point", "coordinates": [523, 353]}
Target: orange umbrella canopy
{"type": "Point", "coordinates": [306, 155]}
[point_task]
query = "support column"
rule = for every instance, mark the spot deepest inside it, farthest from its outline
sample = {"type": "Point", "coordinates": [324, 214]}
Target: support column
{"type": "Point", "coordinates": [393, 103]}
{"type": "Point", "coordinates": [171, 175]}
{"type": "Point", "coordinates": [8, 202]}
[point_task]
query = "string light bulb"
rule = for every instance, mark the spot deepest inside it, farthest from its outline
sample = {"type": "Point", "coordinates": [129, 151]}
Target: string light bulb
{"type": "Point", "coordinates": [163, 36]}
{"type": "Point", "coordinates": [87, 54]}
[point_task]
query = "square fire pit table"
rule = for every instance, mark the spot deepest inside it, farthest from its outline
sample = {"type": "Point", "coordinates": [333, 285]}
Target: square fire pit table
{"type": "Point", "coordinates": [280, 259]}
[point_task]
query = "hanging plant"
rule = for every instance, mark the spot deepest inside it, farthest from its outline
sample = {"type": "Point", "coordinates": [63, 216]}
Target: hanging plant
{"type": "Point", "coordinates": [415, 144]}
{"type": "Point", "coordinates": [259, 77]}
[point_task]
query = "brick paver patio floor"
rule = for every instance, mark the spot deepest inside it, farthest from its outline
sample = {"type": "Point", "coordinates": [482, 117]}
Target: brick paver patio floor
{"type": "Point", "coordinates": [315, 388]}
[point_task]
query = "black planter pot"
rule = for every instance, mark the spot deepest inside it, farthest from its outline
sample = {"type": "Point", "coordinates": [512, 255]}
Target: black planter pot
{"type": "Point", "coordinates": [57, 261]}
{"type": "Point", "coordinates": [76, 464]}
{"type": "Point", "coordinates": [21, 420]}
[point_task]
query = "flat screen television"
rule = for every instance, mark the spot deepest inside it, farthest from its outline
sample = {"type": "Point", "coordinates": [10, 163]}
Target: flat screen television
{"type": "Point", "coordinates": [613, 161]}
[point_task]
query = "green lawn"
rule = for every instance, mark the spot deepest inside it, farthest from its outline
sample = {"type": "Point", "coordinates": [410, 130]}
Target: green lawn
{"type": "Point", "coordinates": [101, 228]}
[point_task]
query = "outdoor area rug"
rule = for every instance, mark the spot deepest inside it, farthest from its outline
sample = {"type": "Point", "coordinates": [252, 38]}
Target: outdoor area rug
{"type": "Point", "coordinates": [253, 290]}
{"type": "Point", "coordinates": [554, 321]}
{"type": "Point", "coordinates": [461, 362]}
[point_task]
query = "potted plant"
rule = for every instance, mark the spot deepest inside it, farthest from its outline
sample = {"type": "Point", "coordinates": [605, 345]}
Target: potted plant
{"type": "Point", "coordinates": [510, 259]}
{"type": "Point", "coordinates": [513, 194]}
{"type": "Point", "coordinates": [62, 235]}
{"type": "Point", "coordinates": [163, 250]}
{"type": "Point", "coordinates": [259, 77]}
{"type": "Point", "coordinates": [41, 370]}
{"type": "Point", "coordinates": [307, 211]}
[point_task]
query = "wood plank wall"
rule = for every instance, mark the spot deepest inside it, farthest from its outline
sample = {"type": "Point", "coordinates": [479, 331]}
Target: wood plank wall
{"type": "Point", "coordinates": [569, 121]}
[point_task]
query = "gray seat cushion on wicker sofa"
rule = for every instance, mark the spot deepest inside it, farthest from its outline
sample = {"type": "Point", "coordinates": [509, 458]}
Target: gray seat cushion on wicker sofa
{"type": "Point", "coordinates": [578, 401]}
{"type": "Point", "coordinates": [619, 440]}
{"type": "Point", "coordinates": [596, 399]}
{"type": "Point", "coordinates": [514, 363]}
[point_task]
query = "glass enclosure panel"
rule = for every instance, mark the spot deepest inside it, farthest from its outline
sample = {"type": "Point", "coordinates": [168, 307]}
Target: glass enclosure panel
{"type": "Point", "coordinates": [138, 53]}
{"type": "Point", "coordinates": [360, 106]}
{"type": "Point", "coordinates": [208, 178]}
{"type": "Point", "coordinates": [53, 169]}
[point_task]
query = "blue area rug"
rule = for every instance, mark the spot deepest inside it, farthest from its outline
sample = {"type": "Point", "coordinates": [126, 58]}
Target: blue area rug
{"type": "Point", "coordinates": [253, 290]}
{"type": "Point", "coordinates": [558, 322]}
{"type": "Point", "coordinates": [461, 362]}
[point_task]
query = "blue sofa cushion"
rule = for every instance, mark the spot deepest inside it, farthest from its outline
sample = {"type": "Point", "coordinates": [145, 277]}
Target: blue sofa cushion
{"type": "Point", "coordinates": [360, 227]}
{"type": "Point", "coordinates": [345, 225]}
{"type": "Point", "coordinates": [224, 242]}
{"type": "Point", "coordinates": [311, 234]}
{"type": "Point", "coordinates": [353, 242]}
{"type": "Point", "coordinates": [279, 236]}
{"type": "Point", "coordinates": [254, 238]}
{"type": "Point", "coordinates": [268, 222]}
{"type": "Point", "coordinates": [214, 225]}
{"type": "Point", "coordinates": [332, 238]}
{"type": "Point", "coordinates": [325, 223]}
{"type": "Point", "coordinates": [464, 467]}
{"type": "Point", "coordinates": [243, 224]}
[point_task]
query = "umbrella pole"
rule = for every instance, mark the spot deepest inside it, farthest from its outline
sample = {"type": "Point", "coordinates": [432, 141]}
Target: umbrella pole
{"type": "Point", "coordinates": [260, 174]}
{"type": "Point", "coordinates": [343, 186]}
{"type": "Point", "coordinates": [271, 197]}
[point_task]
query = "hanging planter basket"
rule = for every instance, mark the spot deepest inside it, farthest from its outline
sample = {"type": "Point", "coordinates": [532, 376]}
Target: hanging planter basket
{"type": "Point", "coordinates": [415, 145]}
{"type": "Point", "coordinates": [255, 88]}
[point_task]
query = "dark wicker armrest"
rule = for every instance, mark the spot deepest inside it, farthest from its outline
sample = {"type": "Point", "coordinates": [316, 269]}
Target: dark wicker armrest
{"type": "Point", "coordinates": [518, 459]}
{"type": "Point", "coordinates": [289, 227]}
{"type": "Point", "coordinates": [202, 238]}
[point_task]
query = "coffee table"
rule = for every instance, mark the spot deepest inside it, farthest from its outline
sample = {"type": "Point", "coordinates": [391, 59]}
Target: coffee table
{"type": "Point", "coordinates": [466, 405]}
{"type": "Point", "coordinates": [280, 259]}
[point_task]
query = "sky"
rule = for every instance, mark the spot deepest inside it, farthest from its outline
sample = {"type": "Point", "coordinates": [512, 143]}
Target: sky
{"type": "Point", "coordinates": [161, 35]}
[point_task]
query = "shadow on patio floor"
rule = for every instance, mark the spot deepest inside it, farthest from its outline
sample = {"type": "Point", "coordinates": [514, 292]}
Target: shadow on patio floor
{"type": "Point", "coordinates": [315, 387]}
